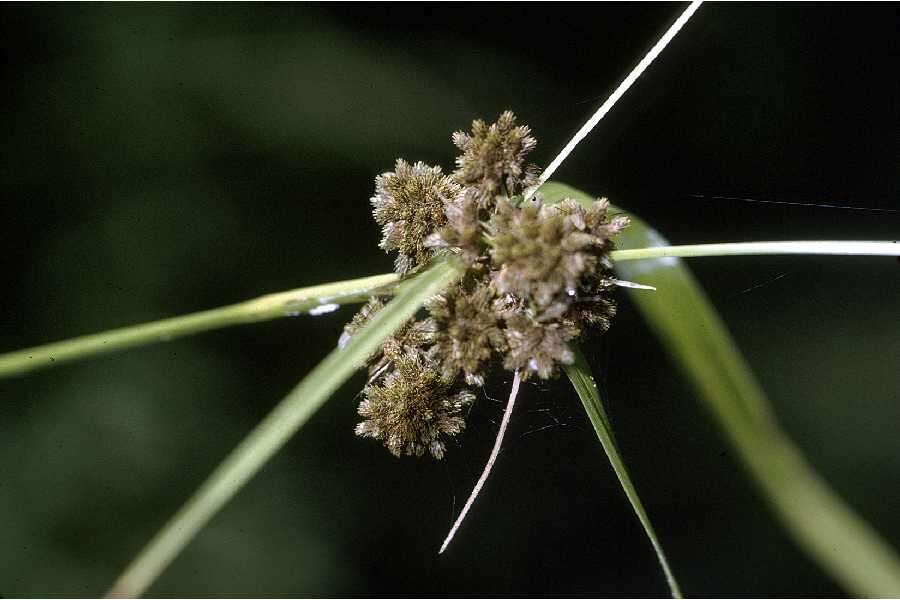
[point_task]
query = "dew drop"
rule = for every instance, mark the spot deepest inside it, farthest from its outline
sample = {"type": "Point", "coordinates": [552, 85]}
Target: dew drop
{"type": "Point", "coordinates": [323, 309]}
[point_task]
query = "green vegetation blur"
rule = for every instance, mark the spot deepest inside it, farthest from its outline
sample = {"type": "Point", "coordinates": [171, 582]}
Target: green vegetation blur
{"type": "Point", "coordinates": [166, 158]}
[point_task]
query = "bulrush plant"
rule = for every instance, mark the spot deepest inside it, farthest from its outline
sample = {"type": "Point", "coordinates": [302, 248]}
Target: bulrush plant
{"type": "Point", "coordinates": [500, 271]}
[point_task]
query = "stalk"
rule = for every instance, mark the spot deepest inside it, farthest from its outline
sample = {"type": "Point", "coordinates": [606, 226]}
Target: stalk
{"type": "Point", "coordinates": [311, 300]}
{"type": "Point", "coordinates": [848, 248]}
{"type": "Point", "coordinates": [620, 90]}
{"type": "Point", "coordinates": [277, 428]}
{"type": "Point", "coordinates": [322, 298]}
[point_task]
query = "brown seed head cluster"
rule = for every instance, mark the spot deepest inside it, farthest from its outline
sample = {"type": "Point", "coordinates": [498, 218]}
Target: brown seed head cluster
{"type": "Point", "coordinates": [538, 277]}
{"type": "Point", "coordinates": [413, 407]}
{"type": "Point", "coordinates": [492, 162]}
{"type": "Point", "coordinates": [408, 204]}
{"type": "Point", "coordinates": [469, 331]}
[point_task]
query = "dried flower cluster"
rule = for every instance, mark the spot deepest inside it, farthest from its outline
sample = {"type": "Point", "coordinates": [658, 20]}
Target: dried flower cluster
{"type": "Point", "coordinates": [538, 278]}
{"type": "Point", "coordinates": [409, 203]}
{"type": "Point", "coordinates": [412, 407]}
{"type": "Point", "coordinates": [493, 159]}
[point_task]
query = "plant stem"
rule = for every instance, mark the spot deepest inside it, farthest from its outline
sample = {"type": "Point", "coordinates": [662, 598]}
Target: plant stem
{"type": "Point", "coordinates": [755, 248]}
{"type": "Point", "coordinates": [271, 306]}
{"type": "Point", "coordinates": [326, 296]}
{"type": "Point", "coordinates": [278, 427]}
{"type": "Point", "coordinates": [626, 83]}
{"type": "Point", "coordinates": [495, 452]}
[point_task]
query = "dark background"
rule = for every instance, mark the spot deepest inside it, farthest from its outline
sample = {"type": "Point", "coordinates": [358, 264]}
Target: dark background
{"type": "Point", "coordinates": [161, 159]}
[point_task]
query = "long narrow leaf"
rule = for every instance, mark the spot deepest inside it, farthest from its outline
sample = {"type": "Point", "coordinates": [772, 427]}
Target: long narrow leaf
{"type": "Point", "coordinates": [313, 300]}
{"type": "Point", "coordinates": [682, 317]}
{"type": "Point", "coordinates": [580, 375]}
{"type": "Point", "coordinates": [278, 427]}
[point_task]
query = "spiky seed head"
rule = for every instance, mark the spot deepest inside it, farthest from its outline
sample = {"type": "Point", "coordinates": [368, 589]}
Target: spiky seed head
{"type": "Point", "coordinates": [468, 331]}
{"type": "Point", "coordinates": [415, 335]}
{"type": "Point", "coordinates": [409, 205]}
{"type": "Point", "coordinates": [596, 221]}
{"type": "Point", "coordinates": [538, 347]}
{"type": "Point", "coordinates": [592, 309]}
{"type": "Point", "coordinates": [593, 306]}
{"type": "Point", "coordinates": [542, 252]}
{"type": "Point", "coordinates": [463, 232]}
{"type": "Point", "coordinates": [414, 409]}
{"type": "Point", "coordinates": [493, 156]}
{"type": "Point", "coordinates": [537, 251]}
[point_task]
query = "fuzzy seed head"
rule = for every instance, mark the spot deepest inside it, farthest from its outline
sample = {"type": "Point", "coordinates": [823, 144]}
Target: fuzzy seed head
{"type": "Point", "coordinates": [464, 231]}
{"type": "Point", "coordinates": [538, 347]}
{"type": "Point", "coordinates": [468, 331]}
{"type": "Point", "coordinates": [409, 205]}
{"type": "Point", "coordinates": [592, 309]}
{"type": "Point", "coordinates": [538, 252]}
{"type": "Point", "coordinates": [493, 156]}
{"type": "Point", "coordinates": [414, 409]}
{"type": "Point", "coordinates": [542, 252]}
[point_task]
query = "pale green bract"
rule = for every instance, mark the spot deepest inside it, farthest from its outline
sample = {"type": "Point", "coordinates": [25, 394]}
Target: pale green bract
{"type": "Point", "coordinates": [679, 313]}
{"type": "Point", "coordinates": [279, 425]}
{"type": "Point", "coordinates": [579, 374]}
{"type": "Point", "coordinates": [313, 300]}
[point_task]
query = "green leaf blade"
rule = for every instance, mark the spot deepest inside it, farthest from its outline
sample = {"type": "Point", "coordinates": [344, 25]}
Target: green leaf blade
{"type": "Point", "coordinates": [579, 374]}
{"type": "Point", "coordinates": [687, 324]}
{"type": "Point", "coordinates": [278, 426]}
{"type": "Point", "coordinates": [271, 306]}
